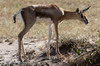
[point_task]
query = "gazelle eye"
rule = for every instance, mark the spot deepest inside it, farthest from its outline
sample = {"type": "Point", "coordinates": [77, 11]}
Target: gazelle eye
{"type": "Point", "coordinates": [82, 16]}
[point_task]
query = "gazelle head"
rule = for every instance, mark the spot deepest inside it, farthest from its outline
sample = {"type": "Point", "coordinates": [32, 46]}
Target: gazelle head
{"type": "Point", "coordinates": [81, 15]}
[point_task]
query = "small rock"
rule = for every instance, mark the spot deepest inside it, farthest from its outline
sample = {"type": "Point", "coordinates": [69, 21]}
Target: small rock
{"type": "Point", "coordinates": [26, 43]}
{"type": "Point", "coordinates": [89, 49]}
{"type": "Point", "coordinates": [1, 42]}
{"type": "Point", "coordinates": [7, 40]}
{"type": "Point", "coordinates": [10, 43]}
{"type": "Point", "coordinates": [32, 41]}
{"type": "Point", "coordinates": [7, 51]}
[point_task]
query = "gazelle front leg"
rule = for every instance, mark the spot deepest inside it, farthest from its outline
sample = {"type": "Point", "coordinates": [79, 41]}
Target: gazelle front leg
{"type": "Point", "coordinates": [49, 39]}
{"type": "Point", "coordinates": [59, 55]}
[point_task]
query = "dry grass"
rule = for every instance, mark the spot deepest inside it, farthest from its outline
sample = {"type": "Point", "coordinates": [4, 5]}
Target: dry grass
{"type": "Point", "coordinates": [71, 28]}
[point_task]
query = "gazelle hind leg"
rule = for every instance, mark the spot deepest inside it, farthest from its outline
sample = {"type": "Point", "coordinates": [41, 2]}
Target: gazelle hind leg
{"type": "Point", "coordinates": [28, 22]}
{"type": "Point", "coordinates": [20, 37]}
{"type": "Point", "coordinates": [24, 53]}
{"type": "Point", "coordinates": [19, 48]}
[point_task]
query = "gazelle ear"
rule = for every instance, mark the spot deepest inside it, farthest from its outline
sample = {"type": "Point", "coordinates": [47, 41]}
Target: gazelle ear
{"type": "Point", "coordinates": [77, 10]}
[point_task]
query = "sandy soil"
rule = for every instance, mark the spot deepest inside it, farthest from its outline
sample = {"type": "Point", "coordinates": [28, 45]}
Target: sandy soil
{"type": "Point", "coordinates": [36, 52]}
{"type": "Point", "coordinates": [34, 49]}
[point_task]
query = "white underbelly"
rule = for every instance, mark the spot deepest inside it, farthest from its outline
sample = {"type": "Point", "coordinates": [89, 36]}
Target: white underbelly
{"type": "Point", "coordinates": [44, 20]}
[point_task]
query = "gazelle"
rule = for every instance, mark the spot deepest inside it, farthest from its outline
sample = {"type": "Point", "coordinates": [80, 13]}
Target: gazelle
{"type": "Point", "coordinates": [29, 15]}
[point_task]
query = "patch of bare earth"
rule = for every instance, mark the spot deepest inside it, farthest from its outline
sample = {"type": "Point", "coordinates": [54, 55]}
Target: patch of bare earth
{"type": "Point", "coordinates": [76, 53]}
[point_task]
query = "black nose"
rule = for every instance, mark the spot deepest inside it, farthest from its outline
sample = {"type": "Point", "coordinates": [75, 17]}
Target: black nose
{"type": "Point", "coordinates": [86, 21]}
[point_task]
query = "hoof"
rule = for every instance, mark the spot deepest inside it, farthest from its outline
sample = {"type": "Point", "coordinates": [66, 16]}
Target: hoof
{"type": "Point", "coordinates": [26, 58]}
{"type": "Point", "coordinates": [60, 56]}
{"type": "Point", "coordinates": [20, 59]}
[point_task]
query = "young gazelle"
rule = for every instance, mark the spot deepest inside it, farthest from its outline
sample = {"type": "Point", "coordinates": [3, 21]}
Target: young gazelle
{"type": "Point", "coordinates": [29, 15]}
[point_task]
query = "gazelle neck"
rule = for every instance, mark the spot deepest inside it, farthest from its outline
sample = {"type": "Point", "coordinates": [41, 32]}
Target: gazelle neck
{"type": "Point", "coordinates": [70, 15]}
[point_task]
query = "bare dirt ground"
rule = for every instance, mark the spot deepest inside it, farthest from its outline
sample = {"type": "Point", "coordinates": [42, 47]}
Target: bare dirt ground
{"type": "Point", "coordinates": [76, 53]}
